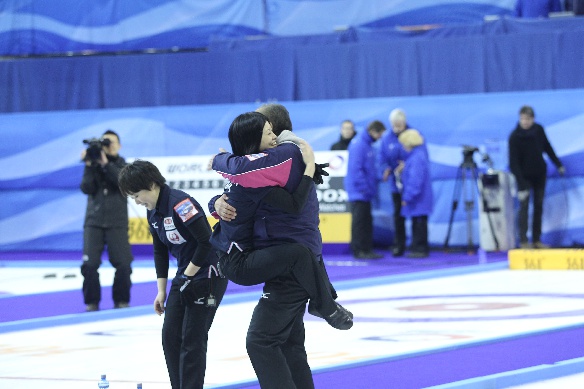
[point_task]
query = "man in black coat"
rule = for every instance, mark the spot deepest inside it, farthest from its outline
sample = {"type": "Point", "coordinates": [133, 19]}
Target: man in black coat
{"type": "Point", "coordinates": [347, 134]}
{"type": "Point", "coordinates": [106, 222]}
{"type": "Point", "coordinates": [527, 143]}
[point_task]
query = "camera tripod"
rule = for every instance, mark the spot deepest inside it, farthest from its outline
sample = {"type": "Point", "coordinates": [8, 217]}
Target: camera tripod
{"type": "Point", "coordinates": [467, 181]}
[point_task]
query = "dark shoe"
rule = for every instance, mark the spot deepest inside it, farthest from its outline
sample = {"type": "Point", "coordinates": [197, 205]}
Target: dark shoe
{"type": "Point", "coordinates": [525, 245]}
{"type": "Point", "coordinates": [91, 307]}
{"type": "Point", "coordinates": [121, 305]}
{"type": "Point", "coordinates": [340, 319]}
{"type": "Point", "coordinates": [367, 255]}
{"type": "Point", "coordinates": [349, 313]}
{"type": "Point", "coordinates": [397, 251]}
{"type": "Point", "coordinates": [417, 254]}
{"type": "Point", "coordinates": [313, 311]}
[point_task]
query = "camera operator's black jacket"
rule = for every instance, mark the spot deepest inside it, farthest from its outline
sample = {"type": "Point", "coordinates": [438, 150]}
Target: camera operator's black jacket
{"type": "Point", "coordinates": [106, 207]}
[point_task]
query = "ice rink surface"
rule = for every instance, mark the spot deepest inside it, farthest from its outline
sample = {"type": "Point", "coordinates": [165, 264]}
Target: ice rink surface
{"type": "Point", "coordinates": [393, 318]}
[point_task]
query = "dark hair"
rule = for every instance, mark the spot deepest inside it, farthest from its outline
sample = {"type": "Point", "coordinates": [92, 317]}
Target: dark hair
{"type": "Point", "coordinates": [278, 116]}
{"type": "Point", "coordinates": [245, 133]}
{"type": "Point", "coordinates": [139, 175]}
{"type": "Point", "coordinates": [111, 132]}
{"type": "Point", "coordinates": [376, 126]}
{"type": "Point", "coordinates": [527, 110]}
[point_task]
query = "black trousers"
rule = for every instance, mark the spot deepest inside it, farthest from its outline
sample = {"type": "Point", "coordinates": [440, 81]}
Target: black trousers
{"type": "Point", "coordinates": [399, 222]}
{"type": "Point", "coordinates": [307, 269]}
{"type": "Point", "coordinates": [361, 227]}
{"type": "Point", "coordinates": [185, 333]}
{"type": "Point", "coordinates": [537, 185]}
{"type": "Point", "coordinates": [276, 334]}
{"type": "Point", "coordinates": [120, 256]}
{"type": "Point", "coordinates": [420, 234]}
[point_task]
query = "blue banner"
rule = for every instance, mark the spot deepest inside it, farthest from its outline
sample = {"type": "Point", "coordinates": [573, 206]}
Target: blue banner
{"type": "Point", "coordinates": [40, 168]}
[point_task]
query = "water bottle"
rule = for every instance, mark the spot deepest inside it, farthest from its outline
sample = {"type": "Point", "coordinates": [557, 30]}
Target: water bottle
{"type": "Point", "coordinates": [103, 383]}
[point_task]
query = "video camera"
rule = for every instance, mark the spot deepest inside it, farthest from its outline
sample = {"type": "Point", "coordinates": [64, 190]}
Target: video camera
{"type": "Point", "coordinates": [94, 148]}
{"type": "Point", "coordinates": [468, 152]}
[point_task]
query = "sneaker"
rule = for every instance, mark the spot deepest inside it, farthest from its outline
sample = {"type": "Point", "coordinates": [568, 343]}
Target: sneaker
{"type": "Point", "coordinates": [91, 307]}
{"type": "Point", "coordinates": [367, 255]}
{"type": "Point", "coordinates": [524, 245]}
{"type": "Point", "coordinates": [539, 245]}
{"type": "Point", "coordinates": [340, 320]}
{"type": "Point", "coordinates": [121, 305]}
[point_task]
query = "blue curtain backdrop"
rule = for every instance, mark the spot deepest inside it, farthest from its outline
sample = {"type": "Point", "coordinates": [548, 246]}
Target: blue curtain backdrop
{"type": "Point", "coordinates": [529, 55]}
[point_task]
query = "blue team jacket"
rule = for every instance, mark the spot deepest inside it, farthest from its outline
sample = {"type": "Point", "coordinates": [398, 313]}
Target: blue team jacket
{"type": "Point", "coordinates": [281, 166]}
{"type": "Point", "coordinates": [417, 184]}
{"type": "Point", "coordinates": [361, 179]}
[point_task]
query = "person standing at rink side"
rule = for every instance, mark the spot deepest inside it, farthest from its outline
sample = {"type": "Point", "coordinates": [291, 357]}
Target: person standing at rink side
{"type": "Point", "coordinates": [392, 155]}
{"type": "Point", "coordinates": [347, 134]}
{"type": "Point", "coordinates": [178, 224]}
{"type": "Point", "coordinates": [416, 193]}
{"type": "Point", "coordinates": [361, 186]}
{"type": "Point", "coordinates": [106, 223]}
{"type": "Point", "coordinates": [527, 143]}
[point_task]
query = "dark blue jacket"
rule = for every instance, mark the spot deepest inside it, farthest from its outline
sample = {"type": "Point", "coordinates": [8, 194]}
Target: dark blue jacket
{"type": "Point", "coordinates": [361, 179]}
{"type": "Point", "coordinates": [281, 166]}
{"type": "Point", "coordinates": [171, 225]}
{"type": "Point", "coordinates": [417, 184]}
{"type": "Point", "coordinates": [239, 232]}
{"type": "Point", "coordinates": [390, 153]}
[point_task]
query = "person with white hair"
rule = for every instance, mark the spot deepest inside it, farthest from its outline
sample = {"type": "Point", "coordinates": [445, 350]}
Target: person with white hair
{"type": "Point", "coordinates": [392, 155]}
{"type": "Point", "coordinates": [416, 194]}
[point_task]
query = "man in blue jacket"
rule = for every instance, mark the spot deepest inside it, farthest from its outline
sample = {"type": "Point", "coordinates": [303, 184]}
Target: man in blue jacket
{"type": "Point", "coordinates": [361, 186]}
{"type": "Point", "coordinates": [392, 155]}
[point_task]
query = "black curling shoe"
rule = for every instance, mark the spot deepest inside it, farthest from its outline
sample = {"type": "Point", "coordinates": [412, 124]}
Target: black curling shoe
{"type": "Point", "coordinates": [340, 319]}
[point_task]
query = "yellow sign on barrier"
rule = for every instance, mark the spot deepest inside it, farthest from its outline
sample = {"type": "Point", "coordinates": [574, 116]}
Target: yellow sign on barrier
{"type": "Point", "coordinates": [546, 259]}
{"type": "Point", "coordinates": [334, 227]}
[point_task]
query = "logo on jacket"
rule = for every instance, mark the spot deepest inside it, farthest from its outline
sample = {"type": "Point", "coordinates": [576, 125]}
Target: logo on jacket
{"type": "Point", "coordinates": [253, 157]}
{"type": "Point", "coordinates": [185, 210]}
{"type": "Point", "coordinates": [168, 223]}
{"type": "Point", "coordinates": [175, 237]}
{"type": "Point", "coordinates": [154, 225]}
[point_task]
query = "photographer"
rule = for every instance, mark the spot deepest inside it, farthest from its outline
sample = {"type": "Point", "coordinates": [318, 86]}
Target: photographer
{"type": "Point", "coordinates": [106, 221]}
